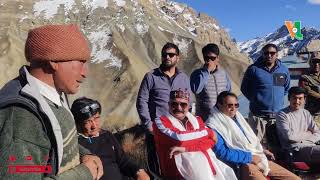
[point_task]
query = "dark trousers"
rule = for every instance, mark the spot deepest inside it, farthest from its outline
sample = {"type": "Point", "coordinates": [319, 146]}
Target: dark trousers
{"type": "Point", "coordinates": [153, 163]}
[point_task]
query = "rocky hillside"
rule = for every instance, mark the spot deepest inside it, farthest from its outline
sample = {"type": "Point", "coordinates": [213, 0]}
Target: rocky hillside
{"type": "Point", "coordinates": [282, 39]}
{"type": "Point", "coordinates": [126, 38]}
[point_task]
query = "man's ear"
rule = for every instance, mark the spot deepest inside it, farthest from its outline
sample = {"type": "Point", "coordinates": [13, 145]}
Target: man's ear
{"type": "Point", "coordinates": [54, 65]}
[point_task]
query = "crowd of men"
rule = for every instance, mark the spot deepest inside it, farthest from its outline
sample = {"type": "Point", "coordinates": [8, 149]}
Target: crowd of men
{"type": "Point", "coordinates": [215, 143]}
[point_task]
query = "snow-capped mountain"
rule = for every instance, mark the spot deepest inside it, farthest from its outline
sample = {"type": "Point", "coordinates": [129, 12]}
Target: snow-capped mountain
{"type": "Point", "coordinates": [126, 38]}
{"type": "Point", "coordinates": [282, 39]}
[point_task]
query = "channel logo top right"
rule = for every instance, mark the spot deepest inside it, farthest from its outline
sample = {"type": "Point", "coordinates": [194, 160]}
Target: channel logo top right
{"type": "Point", "coordinates": [294, 29]}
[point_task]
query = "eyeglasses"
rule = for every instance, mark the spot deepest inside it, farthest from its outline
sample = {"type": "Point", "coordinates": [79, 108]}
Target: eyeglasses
{"type": "Point", "coordinates": [90, 110]}
{"type": "Point", "coordinates": [272, 53]}
{"type": "Point", "coordinates": [236, 105]}
{"type": "Point", "coordinates": [171, 55]}
{"type": "Point", "coordinates": [212, 58]}
{"type": "Point", "coordinates": [182, 104]}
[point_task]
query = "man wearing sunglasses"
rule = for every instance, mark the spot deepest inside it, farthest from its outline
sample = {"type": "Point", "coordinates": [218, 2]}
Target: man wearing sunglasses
{"type": "Point", "coordinates": [153, 95]}
{"type": "Point", "coordinates": [35, 119]}
{"type": "Point", "coordinates": [265, 84]}
{"type": "Point", "coordinates": [311, 82]}
{"type": "Point", "coordinates": [184, 143]}
{"type": "Point", "coordinates": [238, 145]}
{"type": "Point", "coordinates": [208, 81]}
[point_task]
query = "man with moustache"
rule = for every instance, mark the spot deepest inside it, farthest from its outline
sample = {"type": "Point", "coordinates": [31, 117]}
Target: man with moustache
{"type": "Point", "coordinates": [184, 143]}
{"type": "Point", "coordinates": [153, 95]}
{"type": "Point", "coordinates": [36, 124]}
{"type": "Point", "coordinates": [297, 129]}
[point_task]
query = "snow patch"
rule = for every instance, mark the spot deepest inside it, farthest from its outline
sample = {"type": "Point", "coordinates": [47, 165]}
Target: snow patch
{"type": "Point", "coordinates": [50, 7]}
{"type": "Point", "coordinates": [94, 4]}
{"type": "Point", "coordinates": [120, 3]}
{"type": "Point", "coordinates": [100, 51]}
{"type": "Point", "coordinates": [20, 7]}
{"type": "Point", "coordinates": [183, 44]}
{"type": "Point", "coordinates": [160, 28]}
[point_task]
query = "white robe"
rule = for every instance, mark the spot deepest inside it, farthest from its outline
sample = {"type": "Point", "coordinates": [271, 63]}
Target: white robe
{"type": "Point", "coordinates": [195, 165]}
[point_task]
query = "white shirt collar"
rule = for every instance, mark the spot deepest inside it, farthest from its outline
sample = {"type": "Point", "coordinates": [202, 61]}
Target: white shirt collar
{"type": "Point", "coordinates": [48, 91]}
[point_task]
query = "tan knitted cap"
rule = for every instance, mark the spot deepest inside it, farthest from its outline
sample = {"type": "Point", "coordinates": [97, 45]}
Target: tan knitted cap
{"type": "Point", "coordinates": [56, 43]}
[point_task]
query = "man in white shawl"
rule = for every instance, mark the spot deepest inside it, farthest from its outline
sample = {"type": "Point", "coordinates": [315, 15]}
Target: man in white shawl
{"type": "Point", "coordinates": [237, 137]}
{"type": "Point", "coordinates": [183, 144]}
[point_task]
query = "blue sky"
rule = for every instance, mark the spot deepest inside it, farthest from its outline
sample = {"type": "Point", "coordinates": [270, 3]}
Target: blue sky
{"type": "Point", "coordinates": [247, 19]}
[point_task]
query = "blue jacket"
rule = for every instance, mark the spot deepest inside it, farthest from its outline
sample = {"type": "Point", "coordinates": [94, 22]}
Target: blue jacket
{"type": "Point", "coordinates": [265, 89]}
{"type": "Point", "coordinates": [229, 155]}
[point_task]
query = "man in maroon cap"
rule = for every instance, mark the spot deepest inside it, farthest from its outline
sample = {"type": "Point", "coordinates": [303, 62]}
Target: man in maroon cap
{"type": "Point", "coordinates": [183, 143]}
{"type": "Point", "coordinates": [36, 125]}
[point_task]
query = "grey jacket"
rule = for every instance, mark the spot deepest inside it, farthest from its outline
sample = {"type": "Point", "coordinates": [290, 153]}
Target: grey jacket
{"type": "Point", "coordinates": [29, 127]}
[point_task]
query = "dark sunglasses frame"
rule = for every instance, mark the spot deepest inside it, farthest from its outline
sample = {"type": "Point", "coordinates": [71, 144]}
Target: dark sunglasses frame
{"type": "Point", "coordinates": [211, 58]}
{"type": "Point", "coordinates": [171, 55]}
{"type": "Point", "coordinates": [182, 104]}
{"type": "Point", "coordinates": [236, 105]}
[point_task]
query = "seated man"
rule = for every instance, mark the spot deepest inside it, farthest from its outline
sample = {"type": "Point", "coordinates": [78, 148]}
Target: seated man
{"type": "Point", "coordinates": [183, 144]}
{"type": "Point", "coordinates": [237, 143]}
{"type": "Point", "coordinates": [86, 113]}
{"type": "Point", "coordinates": [297, 130]}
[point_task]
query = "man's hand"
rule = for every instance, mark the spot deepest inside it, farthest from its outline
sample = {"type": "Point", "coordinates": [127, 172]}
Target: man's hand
{"type": "Point", "coordinates": [175, 150]}
{"type": "Point", "coordinates": [269, 154]}
{"type": "Point", "coordinates": [150, 129]}
{"type": "Point", "coordinates": [211, 65]}
{"type": "Point", "coordinates": [256, 159]}
{"type": "Point", "coordinates": [94, 164]}
{"type": "Point", "coordinates": [142, 175]}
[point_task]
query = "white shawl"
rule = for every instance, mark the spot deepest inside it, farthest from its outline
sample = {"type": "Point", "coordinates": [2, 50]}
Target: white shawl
{"type": "Point", "coordinates": [195, 165]}
{"type": "Point", "coordinates": [234, 138]}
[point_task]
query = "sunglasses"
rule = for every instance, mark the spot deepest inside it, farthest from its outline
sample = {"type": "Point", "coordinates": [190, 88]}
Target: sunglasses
{"type": "Point", "coordinates": [171, 55]}
{"type": "Point", "coordinates": [272, 53]}
{"type": "Point", "coordinates": [212, 58]}
{"type": "Point", "coordinates": [233, 105]}
{"type": "Point", "coordinates": [182, 104]}
{"type": "Point", "coordinates": [90, 110]}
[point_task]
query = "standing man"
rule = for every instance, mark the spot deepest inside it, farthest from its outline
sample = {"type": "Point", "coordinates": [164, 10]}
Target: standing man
{"type": "Point", "coordinates": [265, 84]}
{"type": "Point", "coordinates": [209, 81]}
{"type": "Point", "coordinates": [153, 96]}
{"type": "Point", "coordinates": [311, 82]}
{"type": "Point", "coordinates": [36, 124]}
{"type": "Point", "coordinates": [297, 130]}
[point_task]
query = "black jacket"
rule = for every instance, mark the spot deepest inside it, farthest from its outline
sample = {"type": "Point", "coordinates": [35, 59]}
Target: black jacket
{"type": "Point", "coordinates": [115, 163]}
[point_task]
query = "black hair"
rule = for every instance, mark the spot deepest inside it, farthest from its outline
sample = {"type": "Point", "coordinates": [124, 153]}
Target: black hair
{"type": "Point", "coordinates": [81, 103]}
{"type": "Point", "coordinates": [295, 90]}
{"type": "Point", "coordinates": [210, 48]}
{"type": "Point", "coordinates": [267, 46]}
{"type": "Point", "coordinates": [223, 95]}
{"type": "Point", "coordinates": [169, 45]}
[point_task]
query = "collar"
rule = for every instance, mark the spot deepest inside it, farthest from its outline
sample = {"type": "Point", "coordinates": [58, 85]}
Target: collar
{"type": "Point", "coordinates": [161, 72]}
{"type": "Point", "coordinates": [48, 92]}
{"type": "Point", "coordinates": [84, 136]}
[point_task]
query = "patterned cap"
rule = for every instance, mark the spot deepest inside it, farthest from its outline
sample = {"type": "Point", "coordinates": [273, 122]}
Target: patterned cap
{"type": "Point", "coordinates": [184, 94]}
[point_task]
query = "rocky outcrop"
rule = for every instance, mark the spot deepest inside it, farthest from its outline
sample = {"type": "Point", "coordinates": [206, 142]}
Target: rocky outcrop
{"type": "Point", "coordinates": [126, 38]}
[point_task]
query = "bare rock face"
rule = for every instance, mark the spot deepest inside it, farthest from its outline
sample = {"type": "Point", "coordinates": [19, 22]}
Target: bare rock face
{"type": "Point", "coordinates": [126, 38]}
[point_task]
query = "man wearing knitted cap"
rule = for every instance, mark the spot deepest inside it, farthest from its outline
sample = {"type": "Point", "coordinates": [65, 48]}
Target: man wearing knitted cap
{"type": "Point", "coordinates": [36, 124]}
{"type": "Point", "coordinates": [184, 143]}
